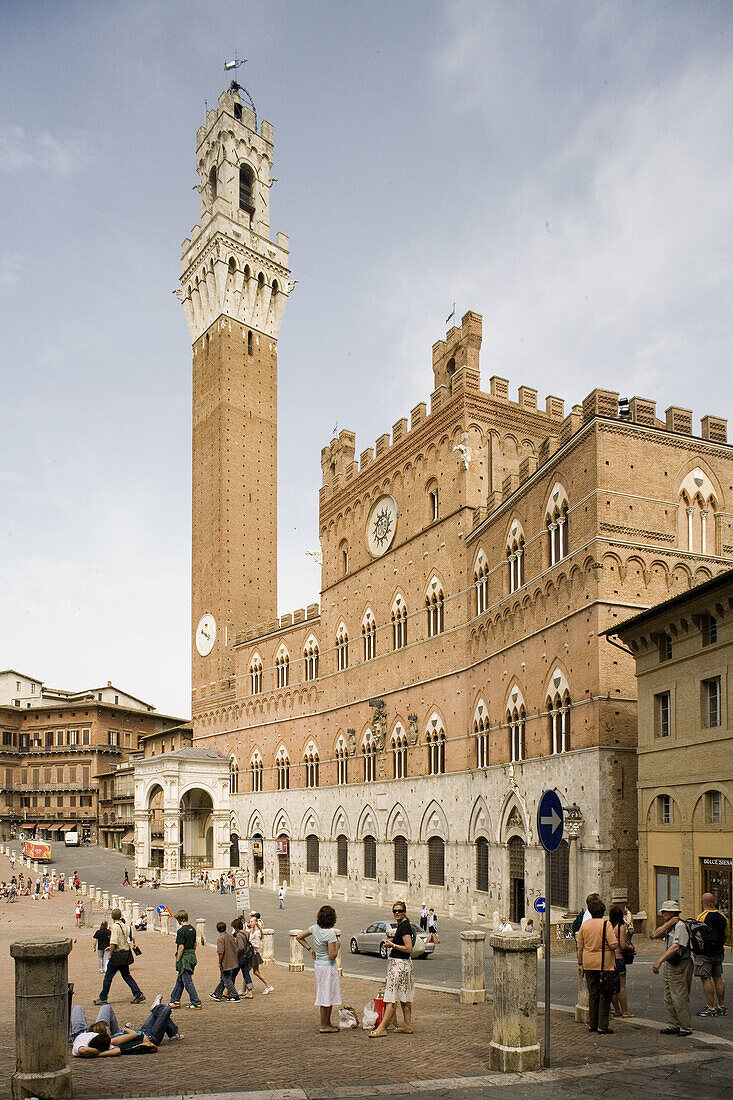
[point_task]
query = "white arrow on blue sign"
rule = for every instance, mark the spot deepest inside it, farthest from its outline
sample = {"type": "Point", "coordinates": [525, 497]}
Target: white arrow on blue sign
{"type": "Point", "coordinates": [550, 821]}
{"type": "Point", "coordinates": [539, 905]}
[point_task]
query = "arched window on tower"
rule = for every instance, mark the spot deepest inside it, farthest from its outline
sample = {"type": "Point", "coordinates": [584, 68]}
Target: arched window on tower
{"type": "Point", "coordinates": [310, 658]}
{"type": "Point", "coordinates": [433, 504]}
{"type": "Point", "coordinates": [515, 556]}
{"type": "Point", "coordinates": [233, 776]}
{"type": "Point", "coordinates": [282, 765]}
{"type": "Point", "coordinates": [481, 734]}
{"type": "Point", "coordinates": [343, 557]}
{"type": "Point", "coordinates": [369, 635]}
{"type": "Point", "coordinates": [311, 765]}
{"type": "Point", "coordinates": [399, 752]}
{"type": "Point", "coordinates": [399, 623]}
{"type": "Point", "coordinates": [434, 604]}
{"type": "Point", "coordinates": [282, 667]}
{"type": "Point", "coordinates": [342, 761]}
{"type": "Point", "coordinates": [481, 582]}
{"type": "Point", "coordinates": [369, 751]}
{"type": "Point", "coordinates": [212, 182]}
{"type": "Point", "coordinates": [556, 521]}
{"type": "Point", "coordinates": [246, 181]}
{"type": "Point", "coordinates": [697, 526]}
{"type": "Point", "coordinates": [342, 648]}
{"type": "Point", "coordinates": [250, 342]}
{"type": "Point", "coordinates": [558, 709]}
{"type": "Point", "coordinates": [255, 672]}
{"type": "Point", "coordinates": [256, 769]}
{"type": "Point", "coordinates": [435, 739]}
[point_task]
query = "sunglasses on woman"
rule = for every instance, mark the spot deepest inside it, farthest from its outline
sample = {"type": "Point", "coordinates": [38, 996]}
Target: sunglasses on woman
{"type": "Point", "coordinates": [396, 912]}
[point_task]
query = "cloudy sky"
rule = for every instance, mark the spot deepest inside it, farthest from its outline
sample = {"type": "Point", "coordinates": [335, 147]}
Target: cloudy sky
{"type": "Point", "coordinates": [562, 168]}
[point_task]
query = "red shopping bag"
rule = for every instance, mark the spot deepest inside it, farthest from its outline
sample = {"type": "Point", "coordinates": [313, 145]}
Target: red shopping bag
{"type": "Point", "coordinates": [379, 1007]}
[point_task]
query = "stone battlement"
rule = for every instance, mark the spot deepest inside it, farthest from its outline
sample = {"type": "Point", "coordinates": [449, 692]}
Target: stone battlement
{"type": "Point", "coordinates": [293, 618]}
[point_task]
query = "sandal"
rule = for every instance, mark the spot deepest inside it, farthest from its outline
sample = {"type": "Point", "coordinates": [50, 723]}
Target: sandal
{"type": "Point", "coordinates": [328, 1030]}
{"type": "Point", "coordinates": [377, 1034]}
{"type": "Point", "coordinates": [404, 1030]}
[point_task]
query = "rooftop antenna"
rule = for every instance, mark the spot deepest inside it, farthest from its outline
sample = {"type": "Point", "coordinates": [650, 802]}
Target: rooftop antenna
{"type": "Point", "coordinates": [235, 86]}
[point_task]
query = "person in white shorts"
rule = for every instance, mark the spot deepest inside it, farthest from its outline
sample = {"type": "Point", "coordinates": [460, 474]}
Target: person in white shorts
{"type": "Point", "coordinates": [324, 951]}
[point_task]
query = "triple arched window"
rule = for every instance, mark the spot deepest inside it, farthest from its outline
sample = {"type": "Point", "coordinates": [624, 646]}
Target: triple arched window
{"type": "Point", "coordinates": [342, 761]}
{"type": "Point", "coordinates": [399, 623]}
{"type": "Point", "coordinates": [255, 673]}
{"type": "Point", "coordinates": [481, 583]}
{"type": "Point", "coordinates": [481, 734]}
{"type": "Point", "coordinates": [282, 667]}
{"type": "Point", "coordinates": [435, 739]}
{"type": "Point", "coordinates": [558, 710]}
{"type": "Point", "coordinates": [233, 776]}
{"type": "Point", "coordinates": [515, 720]}
{"type": "Point", "coordinates": [399, 752]}
{"type": "Point", "coordinates": [434, 603]}
{"type": "Point", "coordinates": [310, 761]}
{"type": "Point", "coordinates": [282, 766]}
{"type": "Point", "coordinates": [369, 752]}
{"type": "Point", "coordinates": [556, 520]}
{"type": "Point", "coordinates": [310, 659]}
{"type": "Point", "coordinates": [697, 511]}
{"type": "Point", "coordinates": [369, 636]}
{"type": "Point", "coordinates": [256, 769]}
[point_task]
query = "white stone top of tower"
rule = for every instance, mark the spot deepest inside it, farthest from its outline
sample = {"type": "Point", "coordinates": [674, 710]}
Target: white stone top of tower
{"type": "Point", "coordinates": [229, 264]}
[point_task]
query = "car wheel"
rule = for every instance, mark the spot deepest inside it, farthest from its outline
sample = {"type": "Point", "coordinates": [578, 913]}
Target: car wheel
{"type": "Point", "coordinates": [383, 950]}
{"type": "Point", "coordinates": [354, 947]}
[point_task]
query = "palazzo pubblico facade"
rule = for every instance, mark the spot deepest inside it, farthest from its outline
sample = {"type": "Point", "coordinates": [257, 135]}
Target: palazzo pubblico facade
{"type": "Point", "coordinates": [396, 737]}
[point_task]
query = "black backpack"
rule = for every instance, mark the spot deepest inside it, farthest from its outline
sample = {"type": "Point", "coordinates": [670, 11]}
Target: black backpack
{"type": "Point", "coordinates": [703, 940]}
{"type": "Point", "coordinates": [246, 950]}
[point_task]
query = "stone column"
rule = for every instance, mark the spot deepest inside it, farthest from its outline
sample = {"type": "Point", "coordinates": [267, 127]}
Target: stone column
{"type": "Point", "coordinates": [296, 952]}
{"type": "Point", "coordinates": [105, 900]}
{"type": "Point", "coordinates": [473, 967]}
{"type": "Point", "coordinates": [42, 1066]}
{"type": "Point", "coordinates": [268, 946]}
{"type": "Point", "coordinates": [514, 1047]}
{"type": "Point", "coordinates": [201, 931]}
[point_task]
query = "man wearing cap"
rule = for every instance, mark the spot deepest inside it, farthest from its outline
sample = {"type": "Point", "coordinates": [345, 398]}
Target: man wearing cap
{"type": "Point", "coordinates": [677, 961]}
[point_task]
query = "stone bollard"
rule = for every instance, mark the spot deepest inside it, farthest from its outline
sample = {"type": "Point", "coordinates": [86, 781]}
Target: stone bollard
{"type": "Point", "coordinates": [201, 931]}
{"type": "Point", "coordinates": [83, 889]}
{"type": "Point", "coordinates": [135, 911]}
{"type": "Point", "coordinates": [329, 895]}
{"type": "Point", "coordinates": [582, 1008]}
{"type": "Point", "coordinates": [172, 925]}
{"type": "Point", "coordinates": [474, 914]}
{"type": "Point", "coordinates": [346, 893]}
{"type": "Point", "coordinates": [92, 892]}
{"type": "Point", "coordinates": [268, 946]}
{"type": "Point", "coordinates": [35, 866]}
{"type": "Point", "coordinates": [296, 952]}
{"type": "Point", "coordinates": [473, 967]}
{"type": "Point", "coordinates": [495, 921]}
{"type": "Point", "coordinates": [42, 1066]}
{"type": "Point", "coordinates": [114, 901]}
{"type": "Point", "coordinates": [380, 900]}
{"type": "Point", "coordinates": [163, 924]}
{"type": "Point", "coordinates": [514, 1047]}
{"type": "Point", "coordinates": [339, 961]}
{"type": "Point", "coordinates": [451, 908]}
{"type": "Point", "coordinates": [105, 899]}
{"type": "Point", "coordinates": [150, 916]}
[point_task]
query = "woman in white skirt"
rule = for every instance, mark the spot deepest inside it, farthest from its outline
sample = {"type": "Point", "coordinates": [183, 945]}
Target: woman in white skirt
{"type": "Point", "coordinates": [398, 986]}
{"type": "Point", "coordinates": [324, 950]}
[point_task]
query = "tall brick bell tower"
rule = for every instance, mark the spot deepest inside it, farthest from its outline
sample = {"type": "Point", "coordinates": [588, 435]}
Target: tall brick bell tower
{"type": "Point", "coordinates": [234, 286]}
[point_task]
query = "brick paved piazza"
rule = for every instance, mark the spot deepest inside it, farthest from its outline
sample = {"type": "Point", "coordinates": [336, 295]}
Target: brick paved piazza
{"type": "Point", "coordinates": [271, 1043]}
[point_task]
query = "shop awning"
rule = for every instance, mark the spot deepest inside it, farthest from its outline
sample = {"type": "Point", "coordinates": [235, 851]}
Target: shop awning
{"type": "Point", "coordinates": [69, 828]}
{"type": "Point", "coordinates": [43, 825]}
{"type": "Point", "coordinates": [128, 838]}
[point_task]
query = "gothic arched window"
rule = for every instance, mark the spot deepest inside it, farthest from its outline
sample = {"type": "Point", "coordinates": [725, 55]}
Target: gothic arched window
{"type": "Point", "coordinates": [434, 604]}
{"type": "Point", "coordinates": [436, 861]}
{"type": "Point", "coordinates": [342, 648]}
{"type": "Point", "coordinates": [399, 752]}
{"type": "Point", "coordinates": [400, 859]}
{"type": "Point", "coordinates": [282, 667]}
{"type": "Point", "coordinates": [370, 857]}
{"type": "Point", "coordinates": [435, 739]}
{"type": "Point", "coordinates": [310, 761]}
{"type": "Point", "coordinates": [556, 521]}
{"type": "Point", "coordinates": [399, 623]}
{"type": "Point", "coordinates": [312, 854]}
{"type": "Point", "coordinates": [255, 672]}
{"type": "Point", "coordinates": [482, 865]}
{"type": "Point", "coordinates": [369, 635]}
{"type": "Point", "coordinates": [515, 556]}
{"type": "Point", "coordinates": [369, 751]}
{"type": "Point", "coordinates": [481, 583]}
{"type": "Point", "coordinates": [342, 856]}
{"type": "Point", "coordinates": [246, 181]}
{"type": "Point", "coordinates": [342, 761]}
{"type": "Point", "coordinates": [310, 659]}
{"type": "Point", "coordinates": [256, 768]}
{"type": "Point", "coordinates": [282, 764]}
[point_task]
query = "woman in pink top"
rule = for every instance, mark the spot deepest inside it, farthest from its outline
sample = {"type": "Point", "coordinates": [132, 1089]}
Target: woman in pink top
{"type": "Point", "coordinates": [597, 945]}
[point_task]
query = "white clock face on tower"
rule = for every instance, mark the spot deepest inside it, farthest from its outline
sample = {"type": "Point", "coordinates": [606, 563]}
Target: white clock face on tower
{"type": "Point", "coordinates": [206, 634]}
{"type": "Point", "coordinates": [381, 526]}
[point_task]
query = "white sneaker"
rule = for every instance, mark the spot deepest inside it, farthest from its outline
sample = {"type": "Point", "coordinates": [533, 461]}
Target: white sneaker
{"type": "Point", "coordinates": [270, 989]}
{"type": "Point", "coordinates": [179, 1035]}
{"type": "Point", "coordinates": [158, 1000]}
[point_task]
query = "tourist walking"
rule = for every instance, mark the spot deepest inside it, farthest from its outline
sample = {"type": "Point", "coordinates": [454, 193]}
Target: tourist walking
{"type": "Point", "coordinates": [324, 950]}
{"type": "Point", "coordinates": [79, 914]}
{"type": "Point", "coordinates": [677, 973]}
{"type": "Point", "coordinates": [423, 917]}
{"type": "Point", "coordinates": [100, 941]}
{"type": "Point", "coordinates": [126, 879]}
{"type": "Point", "coordinates": [708, 967]}
{"type": "Point", "coordinates": [120, 961]}
{"type": "Point", "coordinates": [226, 948]}
{"type": "Point", "coordinates": [245, 954]}
{"type": "Point", "coordinates": [185, 963]}
{"type": "Point", "coordinates": [597, 963]}
{"type": "Point", "coordinates": [433, 925]}
{"type": "Point", "coordinates": [255, 930]}
{"type": "Point", "coordinates": [624, 954]}
{"type": "Point", "coordinates": [281, 896]}
{"type": "Point", "coordinates": [399, 985]}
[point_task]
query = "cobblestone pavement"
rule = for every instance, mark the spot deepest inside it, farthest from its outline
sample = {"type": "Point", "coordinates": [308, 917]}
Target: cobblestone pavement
{"type": "Point", "coordinates": [271, 1043]}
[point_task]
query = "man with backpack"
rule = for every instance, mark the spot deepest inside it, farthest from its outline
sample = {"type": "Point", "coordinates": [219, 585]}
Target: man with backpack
{"type": "Point", "coordinates": [709, 933]}
{"type": "Point", "coordinates": [677, 963]}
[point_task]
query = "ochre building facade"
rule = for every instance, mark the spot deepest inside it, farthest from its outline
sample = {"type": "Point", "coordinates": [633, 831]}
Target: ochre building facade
{"type": "Point", "coordinates": [397, 736]}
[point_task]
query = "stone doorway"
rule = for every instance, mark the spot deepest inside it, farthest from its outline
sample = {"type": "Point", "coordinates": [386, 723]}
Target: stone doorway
{"type": "Point", "coordinates": [516, 878]}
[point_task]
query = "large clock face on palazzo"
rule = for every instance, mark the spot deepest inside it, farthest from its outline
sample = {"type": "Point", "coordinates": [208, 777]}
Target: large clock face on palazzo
{"type": "Point", "coordinates": [206, 634]}
{"type": "Point", "coordinates": [381, 526]}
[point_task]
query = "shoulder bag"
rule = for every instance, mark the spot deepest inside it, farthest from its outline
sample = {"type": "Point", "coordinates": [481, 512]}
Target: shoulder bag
{"type": "Point", "coordinates": [610, 983]}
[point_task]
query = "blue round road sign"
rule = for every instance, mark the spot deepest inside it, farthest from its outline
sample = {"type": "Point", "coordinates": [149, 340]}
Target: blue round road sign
{"type": "Point", "coordinates": [539, 905]}
{"type": "Point", "coordinates": [550, 821]}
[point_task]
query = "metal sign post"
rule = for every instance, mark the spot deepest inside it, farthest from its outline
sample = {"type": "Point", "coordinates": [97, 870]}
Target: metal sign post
{"type": "Point", "coordinates": [550, 821]}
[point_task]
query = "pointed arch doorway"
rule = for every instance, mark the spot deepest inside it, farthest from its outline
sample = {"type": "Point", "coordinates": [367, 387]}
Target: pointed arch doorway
{"type": "Point", "coordinates": [516, 879]}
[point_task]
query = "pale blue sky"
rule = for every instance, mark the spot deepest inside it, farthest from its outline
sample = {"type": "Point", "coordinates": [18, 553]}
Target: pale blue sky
{"type": "Point", "coordinates": [562, 168]}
